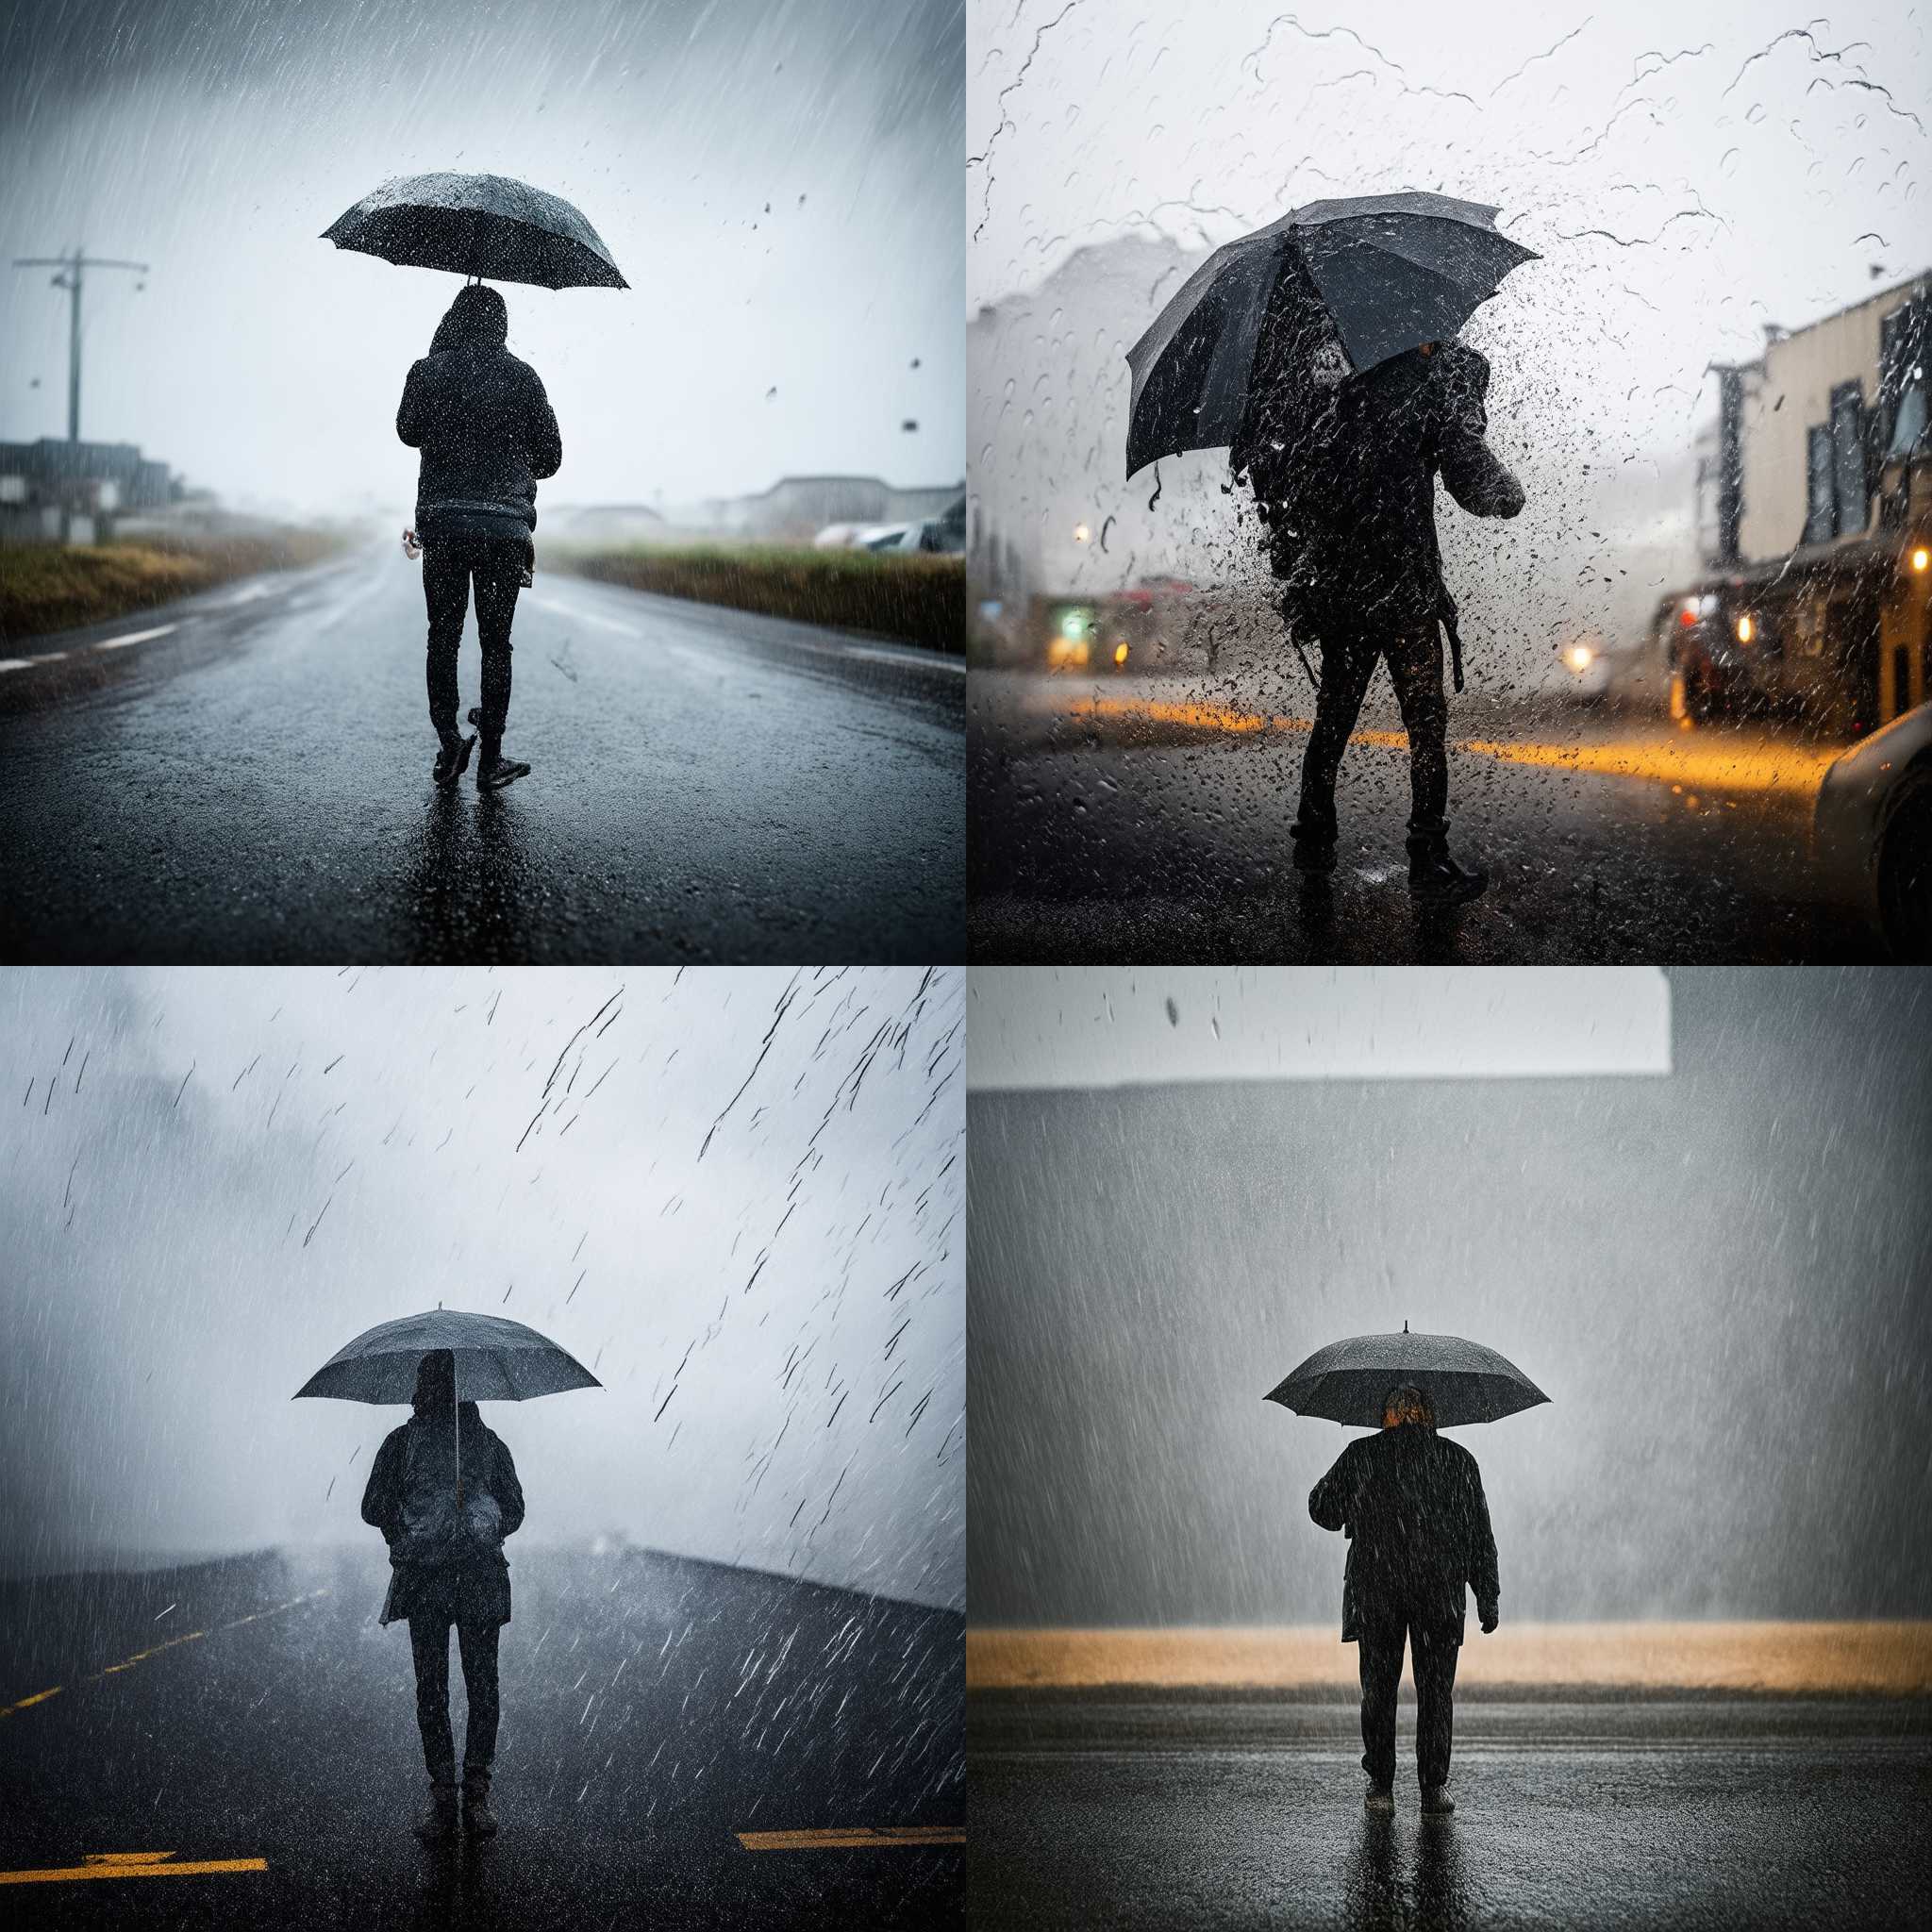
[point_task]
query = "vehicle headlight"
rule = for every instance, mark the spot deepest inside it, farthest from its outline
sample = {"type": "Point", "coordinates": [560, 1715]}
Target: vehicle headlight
{"type": "Point", "coordinates": [1746, 628]}
{"type": "Point", "coordinates": [1580, 657]}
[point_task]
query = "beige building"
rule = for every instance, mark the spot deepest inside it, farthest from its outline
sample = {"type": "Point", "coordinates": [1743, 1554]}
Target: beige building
{"type": "Point", "coordinates": [1822, 411]}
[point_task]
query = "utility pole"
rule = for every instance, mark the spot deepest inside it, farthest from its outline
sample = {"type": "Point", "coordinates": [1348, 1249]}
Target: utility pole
{"type": "Point", "coordinates": [72, 267]}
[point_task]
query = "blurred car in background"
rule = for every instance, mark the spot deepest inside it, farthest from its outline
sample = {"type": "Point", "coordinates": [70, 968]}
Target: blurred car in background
{"type": "Point", "coordinates": [1583, 671]}
{"type": "Point", "coordinates": [1872, 833]}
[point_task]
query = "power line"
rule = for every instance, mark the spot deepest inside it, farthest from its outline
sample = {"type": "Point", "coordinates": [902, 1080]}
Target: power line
{"type": "Point", "coordinates": [73, 273]}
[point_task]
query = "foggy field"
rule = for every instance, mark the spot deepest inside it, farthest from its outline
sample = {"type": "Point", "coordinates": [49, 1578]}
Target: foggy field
{"type": "Point", "coordinates": [1884, 1659]}
{"type": "Point", "coordinates": [915, 600]}
{"type": "Point", "coordinates": [47, 587]}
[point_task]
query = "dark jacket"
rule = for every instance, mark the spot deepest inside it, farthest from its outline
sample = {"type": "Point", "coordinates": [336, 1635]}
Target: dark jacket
{"type": "Point", "coordinates": [1344, 477]}
{"type": "Point", "coordinates": [484, 426]}
{"type": "Point", "coordinates": [439, 1556]}
{"type": "Point", "coordinates": [1411, 1502]}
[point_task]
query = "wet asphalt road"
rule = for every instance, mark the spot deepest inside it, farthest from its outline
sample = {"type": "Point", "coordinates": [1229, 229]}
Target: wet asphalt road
{"type": "Point", "coordinates": [653, 1710]}
{"type": "Point", "coordinates": [1154, 824]}
{"type": "Point", "coordinates": [254, 785]}
{"type": "Point", "coordinates": [1655, 1814]}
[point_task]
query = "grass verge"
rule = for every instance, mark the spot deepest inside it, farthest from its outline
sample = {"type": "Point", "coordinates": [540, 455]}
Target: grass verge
{"type": "Point", "coordinates": [915, 600]}
{"type": "Point", "coordinates": [47, 587]}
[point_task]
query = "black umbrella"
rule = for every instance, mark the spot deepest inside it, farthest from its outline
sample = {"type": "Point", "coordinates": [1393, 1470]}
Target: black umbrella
{"type": "Point", "coordinates": [1392, 270]}
{"type": "Point", "coordinates": [1464, 1381]}
{"type": "Point", "coordinates": [485, 226]}
{"type": "Point", "coordinates": [496, 1360]}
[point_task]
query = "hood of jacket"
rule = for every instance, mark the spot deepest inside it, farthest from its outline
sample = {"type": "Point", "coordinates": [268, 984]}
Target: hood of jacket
{"type": "Point", "coordinates": [478, 318]}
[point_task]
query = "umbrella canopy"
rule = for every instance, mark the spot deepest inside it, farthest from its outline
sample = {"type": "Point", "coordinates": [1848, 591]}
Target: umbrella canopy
{"type": "Point", "coordinates": [478, 224]}
{"type": "Point", "coordinates": [495, 1360]}
{"type": "Point", "coordinates": [1393, 271]}
{"type": "Point", "coordinates": [1464, 1381]}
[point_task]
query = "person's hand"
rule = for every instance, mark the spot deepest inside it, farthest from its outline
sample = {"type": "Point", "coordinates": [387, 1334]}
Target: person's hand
{"type": "Point", "coordinates": [1489, 1621]}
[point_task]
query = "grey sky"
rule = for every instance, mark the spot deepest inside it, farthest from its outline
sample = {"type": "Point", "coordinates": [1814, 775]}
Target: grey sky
{"type": "Point", "coordinates": [780, 185]}
{"type": "Point", "coordinates": [1719, 1277]}
{"type": "Point", "coordinates": [1037, 1026]}
{"type": "Point", "coordinates": [768, 1313]}
{"type": "Point", "coordinates": [1687, 175]}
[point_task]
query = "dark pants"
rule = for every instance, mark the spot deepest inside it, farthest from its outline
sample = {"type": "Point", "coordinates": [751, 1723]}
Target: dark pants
{"type": "Point", "coordinates": [497, 566]}
{"type": "Point", "coordinates": [1415, 667]}
{"type": "Point", "coordinates": [1432, 1653]}
{"type": "Point", "coordinates": [430, 1644]}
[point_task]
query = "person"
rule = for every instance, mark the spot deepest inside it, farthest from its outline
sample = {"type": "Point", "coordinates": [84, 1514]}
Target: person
{"type": "Point", "coordinates": [447, 1566]}
{"type": "Point", "coordinates": [1412, 1507]}
{"type": "Point", "coordinates": [1343, 467]}
{"type": "Point", "coordinates": [487, 434]}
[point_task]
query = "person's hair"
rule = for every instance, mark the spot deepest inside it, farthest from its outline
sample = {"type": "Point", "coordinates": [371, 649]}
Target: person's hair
{"type": "Point", "coordinates": [1408, 1405]}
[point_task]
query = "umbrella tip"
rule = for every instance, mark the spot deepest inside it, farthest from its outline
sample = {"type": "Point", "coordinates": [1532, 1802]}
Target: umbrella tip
{"type": "Point", "coordinates": [1405, 1325]}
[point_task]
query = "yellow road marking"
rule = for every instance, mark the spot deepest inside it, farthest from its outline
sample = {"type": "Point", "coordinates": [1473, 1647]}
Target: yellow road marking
{"type": "Point", "coordinates": [39, 1697]}
{"type": "Point", "coordinates": [132, 1865]}
{"type": "Point", "coordinates": [187, 1636]}
{"type": "Point", "coordinates": [1711, 766]}
{"type": "Point", "coordinates": [857, 1835]}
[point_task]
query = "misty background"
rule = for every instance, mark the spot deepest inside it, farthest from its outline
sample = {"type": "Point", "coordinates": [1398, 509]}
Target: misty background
{"type": "Point", "coordinates": [1719, 1277]}
{"type": "Point", "coordinates": [779, 183]}
{"type": "Point", "coordinates": [1690, 174]}
{"type": "Point", "coordinates": [734, 1195]}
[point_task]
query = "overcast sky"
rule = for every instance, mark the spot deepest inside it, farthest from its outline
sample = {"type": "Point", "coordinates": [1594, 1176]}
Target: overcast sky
{"type": "Point", "coordinates": [209, 1180]}
{"type": "Point", "coordinates": [779, 184]}
{"type": "Point", "coordinates": [1717, 1276]}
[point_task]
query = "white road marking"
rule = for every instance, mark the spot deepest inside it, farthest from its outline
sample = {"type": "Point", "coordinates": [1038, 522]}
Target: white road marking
{"type": "Point", "coordinates": [135, 636]}
{"type": "Point", "coordinates": [906, 657]}
{"type": "Point", "coordinates": [583, 616]}
{"type": "Point", "coordinates": [27, 663]}
{"type": "Point", "coordinates": [246, 596]}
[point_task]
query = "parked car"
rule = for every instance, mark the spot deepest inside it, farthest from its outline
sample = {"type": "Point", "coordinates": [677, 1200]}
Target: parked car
{"type": "Point", "coordinates": [1873, 830]}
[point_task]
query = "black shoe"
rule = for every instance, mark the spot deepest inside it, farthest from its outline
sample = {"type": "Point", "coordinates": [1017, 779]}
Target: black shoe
{"type": "Point", "coordinates": [453, 761]}
{"type": "Point", "coordinates": [494, 774]}
{"type": "Point", "coordinates": [494, 771]}
{"type": "Point", "coordinates": [437, 1821]}
{"type": "Point", "coordinates": [1436, 1802]}
{"type": "Point", "coordinates": [1379, 1799]}
{"type": "Point", "coordinates": [1436, 880]}
{"type": "Point", "coordinates": [478, 1819]}
{"type": "Point", "coordinates": [1314, 855]}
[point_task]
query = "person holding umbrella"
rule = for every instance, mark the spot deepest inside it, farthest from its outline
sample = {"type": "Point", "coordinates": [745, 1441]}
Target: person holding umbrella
{"type": "Point", "coordinates": [487, 435]}
{"type": "Point", "coordinates": [1320, 350]}
{"type": "Point", "coordinates": [1412, 1506]}
{"type": "Point", "coordinates": [480, 417]}
{"type": "Point", "coordinates": [445, 1537]}
{"type": "Point", "coordinates": [443, 1491]}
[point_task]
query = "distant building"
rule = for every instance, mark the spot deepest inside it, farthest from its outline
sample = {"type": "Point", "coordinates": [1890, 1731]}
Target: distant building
{"type": "Point", "coordinates": [600, 524]}
{"type": "Point", "coordinates": [1823, 414]}
{"type": "Point", "coordinates": [795, 508]}
{"type": "Point", "coordinates": [53, 491]}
